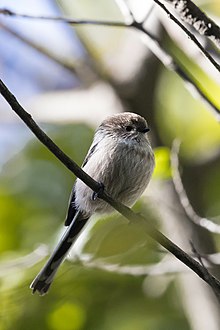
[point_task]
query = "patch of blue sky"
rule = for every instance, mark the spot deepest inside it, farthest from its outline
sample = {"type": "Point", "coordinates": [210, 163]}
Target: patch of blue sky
{"type": "Point", "coordinates": [26, 70]}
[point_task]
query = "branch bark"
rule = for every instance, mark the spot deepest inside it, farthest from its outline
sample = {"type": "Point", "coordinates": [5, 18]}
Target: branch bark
{"type": "Point", "coordinates": [189, 34]}
{"type": "Point", "coordinates": [148, 228]}
{"type": "Point", "coordinates": [194, 16]}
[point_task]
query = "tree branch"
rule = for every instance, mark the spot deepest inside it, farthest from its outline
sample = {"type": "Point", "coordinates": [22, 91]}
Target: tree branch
{"type": "Point", "coordinates": [169, 62]}
{"type": "Point", "coordinates": [63, 19]}
{"type": "Point", "coordinates": [183, 198]}
{"type": "Point", "coordinates": [207, 275]}
{"type": "Point", "coordinates": [152, 43]}
{"type": "Point", "coordinates": [194, 16]}
{"type": "Point", "coordinates": [148, 228]}
{"type": "Point", "coordinates": [190, 35]}
{"type": "Point", "coordinates": [64, 63]}
{"type": "Point", "coordinates": [165, 267]}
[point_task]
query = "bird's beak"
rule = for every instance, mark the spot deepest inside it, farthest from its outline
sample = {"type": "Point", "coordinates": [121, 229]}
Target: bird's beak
{"type": "Point", "coordinates": [145, 130]}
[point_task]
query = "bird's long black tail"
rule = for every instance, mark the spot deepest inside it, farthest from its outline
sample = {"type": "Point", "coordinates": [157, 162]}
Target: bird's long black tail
{"type": "Point", "coordinates": [43, 280]}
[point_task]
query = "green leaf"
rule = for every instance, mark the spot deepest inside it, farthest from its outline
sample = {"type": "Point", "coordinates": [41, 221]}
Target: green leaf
{"type": "Point", "coordinates": [162, 160]}
{"type": "Point", "coordinates": [73, 314]}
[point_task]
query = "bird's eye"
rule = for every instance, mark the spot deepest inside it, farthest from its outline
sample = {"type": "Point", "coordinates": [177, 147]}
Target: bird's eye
{"type": "Point", "coordinates": [128, 128]}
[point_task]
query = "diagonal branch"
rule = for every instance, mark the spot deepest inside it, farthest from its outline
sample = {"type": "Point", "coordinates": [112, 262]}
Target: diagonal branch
{"type": "Point", "coordinates": [170, 63]}
{"type": "Point", "coordinates": [80, 69]}
{"type": "Point", "coordinates": [190, 35]}
{"type": "Point", "coordinates": [27, 261]}
{"type": "Point", "coordinates": [165, 267]}
{"type": "Point", "coordinates": [194, 16]}
{"type": "Point", "coordinates": [71, 66]}
{"type": "Point", "coordinates": [207, 275]}
{"type": "Point", "coordinates": [148, 228]}
{"type": "Point", "coordinates": [130, 19]}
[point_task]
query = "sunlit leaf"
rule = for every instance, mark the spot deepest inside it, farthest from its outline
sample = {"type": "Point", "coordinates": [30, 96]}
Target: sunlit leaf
{"type": "Point", "coordinates": [68, 316]}
{"type": "Point", "coordinates": [162, 163]}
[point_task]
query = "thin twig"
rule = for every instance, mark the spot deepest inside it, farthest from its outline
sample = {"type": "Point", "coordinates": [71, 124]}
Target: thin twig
{"type": "Point", "coordinates": [184, 200]}
{"type": "Point", "coordinates": [125, 10]}
{"type": "Point", "coordinates": [148, 228]}
{"type": "Point", "coordinates": [194, 16]}
{"type": "Point", "coordinates": [157, 49]}
{"type": "Point", "coordinates": [207, 275]}
{"type": "Point", "coordinates": [152, 43]}
{"type": "Point", "coordinates": [24, 262]}
{"type": "Point", "coordinates": [66, 64]}
{"type": "Point", "coordinates": [81, 70]}
{"type": "Point", "coordinates": [63, 19]}
{"type": "Point", "coordinates": [166, 266]}
{"type": "Point", "coordinates": [169, 62]}
{"type": "Point", "coordinates": [148, 14]}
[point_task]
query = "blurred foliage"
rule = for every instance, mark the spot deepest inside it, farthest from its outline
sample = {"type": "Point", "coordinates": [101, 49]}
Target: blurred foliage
{"type": "Point", "coordinates": [180, 115]}
{"type": "Point", "coordinates": [162, 160]}
{"type": "Point", "coordinates": [35, 188]}
{"type": "Point", "coordinates": [34, 193]}
{"type": "Point", "coordinates": [43, 188]}
{"type": "Point", "coordinates": [191, 122]}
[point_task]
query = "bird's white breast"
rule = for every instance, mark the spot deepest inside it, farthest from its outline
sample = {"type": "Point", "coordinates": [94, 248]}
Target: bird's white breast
{"type": "Point", "coordinates": [123, 167]}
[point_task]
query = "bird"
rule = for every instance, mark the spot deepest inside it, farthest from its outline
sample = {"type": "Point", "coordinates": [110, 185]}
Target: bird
{"type": "Point", "coordinates": [121, 159]}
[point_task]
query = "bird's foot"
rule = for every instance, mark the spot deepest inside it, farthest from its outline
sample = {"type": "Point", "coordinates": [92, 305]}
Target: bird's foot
{"type": "Point", "coordinates": [95, 194]}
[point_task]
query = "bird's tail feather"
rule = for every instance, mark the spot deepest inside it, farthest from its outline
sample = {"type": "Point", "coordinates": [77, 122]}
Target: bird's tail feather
{"type": "Point", "coordinates": [43, 280]}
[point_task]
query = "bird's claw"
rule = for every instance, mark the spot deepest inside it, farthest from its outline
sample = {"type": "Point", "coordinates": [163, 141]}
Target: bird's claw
{"type": "Point", "coordinates": [95, 194]}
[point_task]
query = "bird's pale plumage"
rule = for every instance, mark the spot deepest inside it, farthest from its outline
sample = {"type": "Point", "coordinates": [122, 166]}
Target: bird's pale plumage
{"type": "Point", "coordinates": [120, 158]}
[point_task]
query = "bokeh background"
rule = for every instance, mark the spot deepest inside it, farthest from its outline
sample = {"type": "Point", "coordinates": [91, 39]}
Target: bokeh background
{"type": "Point", "coordinates": [69, 79]}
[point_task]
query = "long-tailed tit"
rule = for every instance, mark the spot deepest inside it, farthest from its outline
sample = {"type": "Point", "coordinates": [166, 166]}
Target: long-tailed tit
{"type": "Point", "coordinates": [121, 159]}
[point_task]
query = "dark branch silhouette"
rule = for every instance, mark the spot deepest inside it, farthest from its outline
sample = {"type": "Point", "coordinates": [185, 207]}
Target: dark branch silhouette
{"type": "Point", "coordinates": [207, 275]}
{"type": "Point", "coordinates": [190, 35]}
{"type": "Point", "coordinates": [194, 16]}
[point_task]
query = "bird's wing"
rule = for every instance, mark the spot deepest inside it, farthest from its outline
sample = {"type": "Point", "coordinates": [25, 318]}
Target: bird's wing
{"type": "Point", "coordinates": [71, 211]}
{"type": "Point", "coordinates": [89, 154]}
